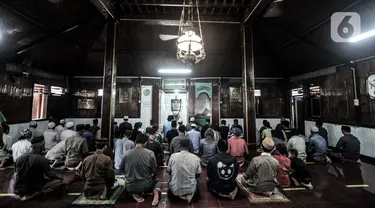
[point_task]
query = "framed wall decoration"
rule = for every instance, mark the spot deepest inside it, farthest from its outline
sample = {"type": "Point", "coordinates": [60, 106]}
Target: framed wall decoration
{"type": "Point", "coordinates": [125, 95]}
{"type": "Point", "coordinates": [86, 104]}
{"type": "Point", "coordinates": [371, 86]}
{"type": "Point", "coordinates": [235, 95]}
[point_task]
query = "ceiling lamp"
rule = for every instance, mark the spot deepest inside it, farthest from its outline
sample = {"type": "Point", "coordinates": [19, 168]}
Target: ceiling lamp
{"type": "Point", "coordinates": [190, 46]}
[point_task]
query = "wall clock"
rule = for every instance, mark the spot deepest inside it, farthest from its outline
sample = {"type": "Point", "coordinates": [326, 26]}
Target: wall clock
{"type": "Point", "coordinates": [147, 92]}
{"type": "Point", "coordinates": [371, 86]}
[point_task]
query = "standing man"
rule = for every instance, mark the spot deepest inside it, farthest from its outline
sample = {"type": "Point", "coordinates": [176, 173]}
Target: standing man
{"type": "Point", "coordinates": [139, 165]}
{"type": "Point", "coordinates": [89, 136]}
{"type": "Point", "coordinates": [184, 170]}
{"type": "Point", "coordinates": [205, 127]}
{"type": "Point", "coordinates": [175, 144]}
{"type": "Point", "coordinates": [122, 146]}
{"type": "Point", "coordinates": [7, 139]}
{"type": "Point", "coordinates": [224, 130]}
{"type": "Point", "coordinates": [76, 148]}
{"type": "Point", "coordinates": [167, 126]}
{"type": "Point", "coordinates": [322, 131]}
{"type": "Point", "coordinates": [97, 173]}
{"type": "Point", "coordinates": [188, 126]}
{"type": "Point", "coordinates": [125, 126]}
{"type": "Point", "coordinates": [222, 170]}
{"type": "Point", "coordinates": [172, 133]}
{"type": "Point", "coordinates": [195, 137]}
{"type": "Point", "coordinates": [95, 128]}
{"type": "Point", "coordinates": [236, 125]}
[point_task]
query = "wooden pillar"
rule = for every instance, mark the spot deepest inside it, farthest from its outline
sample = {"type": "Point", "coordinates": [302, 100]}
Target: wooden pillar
{"type": "Point", "coordinates": [357, 94]}
{"type": "Point", "coordinates": [248, 83]}
{"type": "Point", "coordinates": [109, 82]}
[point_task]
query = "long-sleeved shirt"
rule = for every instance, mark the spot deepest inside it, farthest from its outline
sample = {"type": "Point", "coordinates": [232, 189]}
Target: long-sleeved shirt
{"type": "Point", "coordinates": [67, 134]}
{"type": "Point", "coordinates": [224, 130]}
{"type": "Point", "coordinates": [156, 147]}
{"type": "Point", "coordinates": [56, 152]}
{"type": "Point", "coordinates": [97, 169]}
{"type": "Point", "coordinates": [171, 134]}
{"type": "Point", "coordinates": [208, 149]}
{"type": "Point", "coordinates": [183, 168]}
{"type": "Point", "coordinates": [51, 138]}
{"type": "Point", "coordinates": [262, 173]}
{"type": "Point", "coordinates": [90, 139]}
{"type": "Point", "coordinates": [175, 144]}
{"type": "Point", "coordinates": [36, 133]}
{"type": "Point", "coordinates": [59, 129]}
{"type": "Point", "coordinates": [318, 146]}
{"type": "Point", "coordinates": [121, 147]}
{"type": "Point", "coordinates": [166, 128]}
{"type": "Point", "coordinates": [298, 143]}
{"type": "Point", "coordinates": [195, 138]}
{"type": "Point", "coordinates": [21, 147]}
{"type": "Point", "coordinates": [349, 146]}
{"type": "Point", "coordinates": [284, 170]}
{"type": "Point", "coordinates": [323, 132]}
{"type": "Point", "coordinates": [76, 149]}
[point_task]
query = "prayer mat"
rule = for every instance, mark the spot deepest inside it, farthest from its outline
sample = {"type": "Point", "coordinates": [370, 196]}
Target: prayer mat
{"type": "Point", "coordinates": [253, 198]}
{"type": "Point", "coordinates": [111, 201]}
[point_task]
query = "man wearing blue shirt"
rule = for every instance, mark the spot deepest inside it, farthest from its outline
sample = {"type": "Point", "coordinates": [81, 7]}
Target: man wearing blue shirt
{"type": "Point", "coordinates": [194, 136]}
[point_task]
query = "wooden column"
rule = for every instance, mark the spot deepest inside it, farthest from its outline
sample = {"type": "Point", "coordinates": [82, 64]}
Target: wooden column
{"type": "Point", "coordinates": [109, 82]}
{"type": "Point", "coordinates": [248, 83]}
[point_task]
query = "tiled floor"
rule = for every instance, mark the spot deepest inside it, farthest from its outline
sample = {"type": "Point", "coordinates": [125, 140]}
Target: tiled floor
{"type": "Point", "coordinates": [329, 182]}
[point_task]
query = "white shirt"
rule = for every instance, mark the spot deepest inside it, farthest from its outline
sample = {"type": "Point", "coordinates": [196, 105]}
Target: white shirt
{"type": "Point", "coordinates": [59, 129]}
{"type": "Point", "coordinates": [51, 138]}
{"type": "Point", "coordinates": [8, 142]}
{"type": "Point", "coordinates": [21, 147]}
{"type": "Point", "coordinates": [66, 134]}
{"type": "Point", "coordinates": [56, 152]}
{"type": "Point", "coordinates": [298, 143]}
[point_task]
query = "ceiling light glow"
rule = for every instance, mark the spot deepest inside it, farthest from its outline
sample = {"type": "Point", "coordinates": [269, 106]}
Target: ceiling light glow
{"type": "Point", "coordinates": [362, 36]}
{"type": "Point", "coordinates": [175, 71]}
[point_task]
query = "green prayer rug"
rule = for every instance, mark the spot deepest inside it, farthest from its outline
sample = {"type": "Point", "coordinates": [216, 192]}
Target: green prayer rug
{"type": "Point", "coordinates": [111, 201]}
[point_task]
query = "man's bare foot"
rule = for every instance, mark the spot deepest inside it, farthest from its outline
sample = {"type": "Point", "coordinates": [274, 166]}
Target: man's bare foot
{"type": "Point", "coordinates": [138, 198]}
{"type": "Point", "coordinates": [156, 199]}
{"type": "Point", "coordinates": [189, 197]}
{"type": "Point", "coordinates": [233, 194]}
{"type": "Point", "coordinates": [25, 198]}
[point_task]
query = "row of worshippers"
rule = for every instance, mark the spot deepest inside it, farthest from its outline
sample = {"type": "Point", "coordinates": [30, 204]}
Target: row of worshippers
{"type": "Point", "coordinates": [315, 147]}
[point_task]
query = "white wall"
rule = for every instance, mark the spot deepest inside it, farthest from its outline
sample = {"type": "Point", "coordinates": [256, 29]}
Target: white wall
{"type": "Point", "coordinates": [165, 107]}
{"type": "Point", "coordinates": [365, 135]}
{"type": "Point", "coordinates": [258, 124]}
{"type": "Point", "coordinates": [15, 129]}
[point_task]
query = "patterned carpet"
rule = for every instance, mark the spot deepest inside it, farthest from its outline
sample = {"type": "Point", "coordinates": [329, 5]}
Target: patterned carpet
{"type": "Point", "coordinates": [253, 198]}
{"type": "Point", "coordinates": [111, 201]}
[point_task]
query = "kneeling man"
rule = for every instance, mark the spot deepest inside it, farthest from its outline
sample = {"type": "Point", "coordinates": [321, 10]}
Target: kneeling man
{"type": "Point", "coordinates": [29, 177]}
{"type": "Point", "coordinates": [184, 170]}
{"type": "Point", "coordinates": [139, 165]}
{"type": "Point", "coordinates": [222, 170]}
{"type": "Point", "coordinates": [97, 173]}
{"type": "Point", "coordinates": [260, 176]}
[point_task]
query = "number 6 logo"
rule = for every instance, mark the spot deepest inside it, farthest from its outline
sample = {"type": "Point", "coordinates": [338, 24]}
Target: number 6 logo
{"type": "Point", "coordinates": [345, 25]}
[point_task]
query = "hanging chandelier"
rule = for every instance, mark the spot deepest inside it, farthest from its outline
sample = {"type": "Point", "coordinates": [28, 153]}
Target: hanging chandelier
{"type": "Point", "coordinates": [190, 46]}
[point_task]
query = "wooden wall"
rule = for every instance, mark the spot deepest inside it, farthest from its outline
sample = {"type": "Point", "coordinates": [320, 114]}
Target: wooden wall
{"type": "Point", "coordinates": [271, 102]}
{"type": "Point", "coordinates": [337, 95]}
{"type": "Point", "coordinates": [18, 109]}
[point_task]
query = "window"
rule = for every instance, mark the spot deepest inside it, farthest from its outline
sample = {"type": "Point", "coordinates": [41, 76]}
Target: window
{"type": "Point", "coordinates": [57, 91]}
{"type": "Point", "coordinates": [257, 93]}
{"type": "Point", "coordinates": [100, 92]}
{"type": "Point", "coordinates": [40, 98]}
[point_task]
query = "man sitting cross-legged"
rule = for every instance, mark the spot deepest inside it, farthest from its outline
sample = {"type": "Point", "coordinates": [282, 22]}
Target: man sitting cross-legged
{"type": "Point", "coordinates": [300, 173]}
{"type": "Point", "coordinates": [184, 169]}
{"type": "Point", "coordinates": [97, 173]}
{"type": "Point", "coordinates": [260, 176]}
{"type": "Point", "coordinates": [222, 170]}
{"type": "Point", "coordinates": [139, 165]}
{"type": "Point", "coordinates": [29, 178]}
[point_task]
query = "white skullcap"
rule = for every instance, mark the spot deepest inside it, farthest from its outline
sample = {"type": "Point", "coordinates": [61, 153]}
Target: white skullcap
{"type": "Point", "coordinates": [192, 119]}
{"type": "Point", "coordinates": [69, 124]}
{"type": "Point", "coordinates": [126, 117]}
{"type": "Point", "coordinates": [51, 125]}
{"type": "Point", "coordinates": [62, 121]}
{"type": "Point", "coordinates": [179, 121]}
{"type": "Point", "coordinates": [33, 123]}
{"type": "Point", "coordinates": [314, 129]}
{"type": "Point", "coordinates": [194, 125]}
{"type": "Point", "coordinates": [141, 130]}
